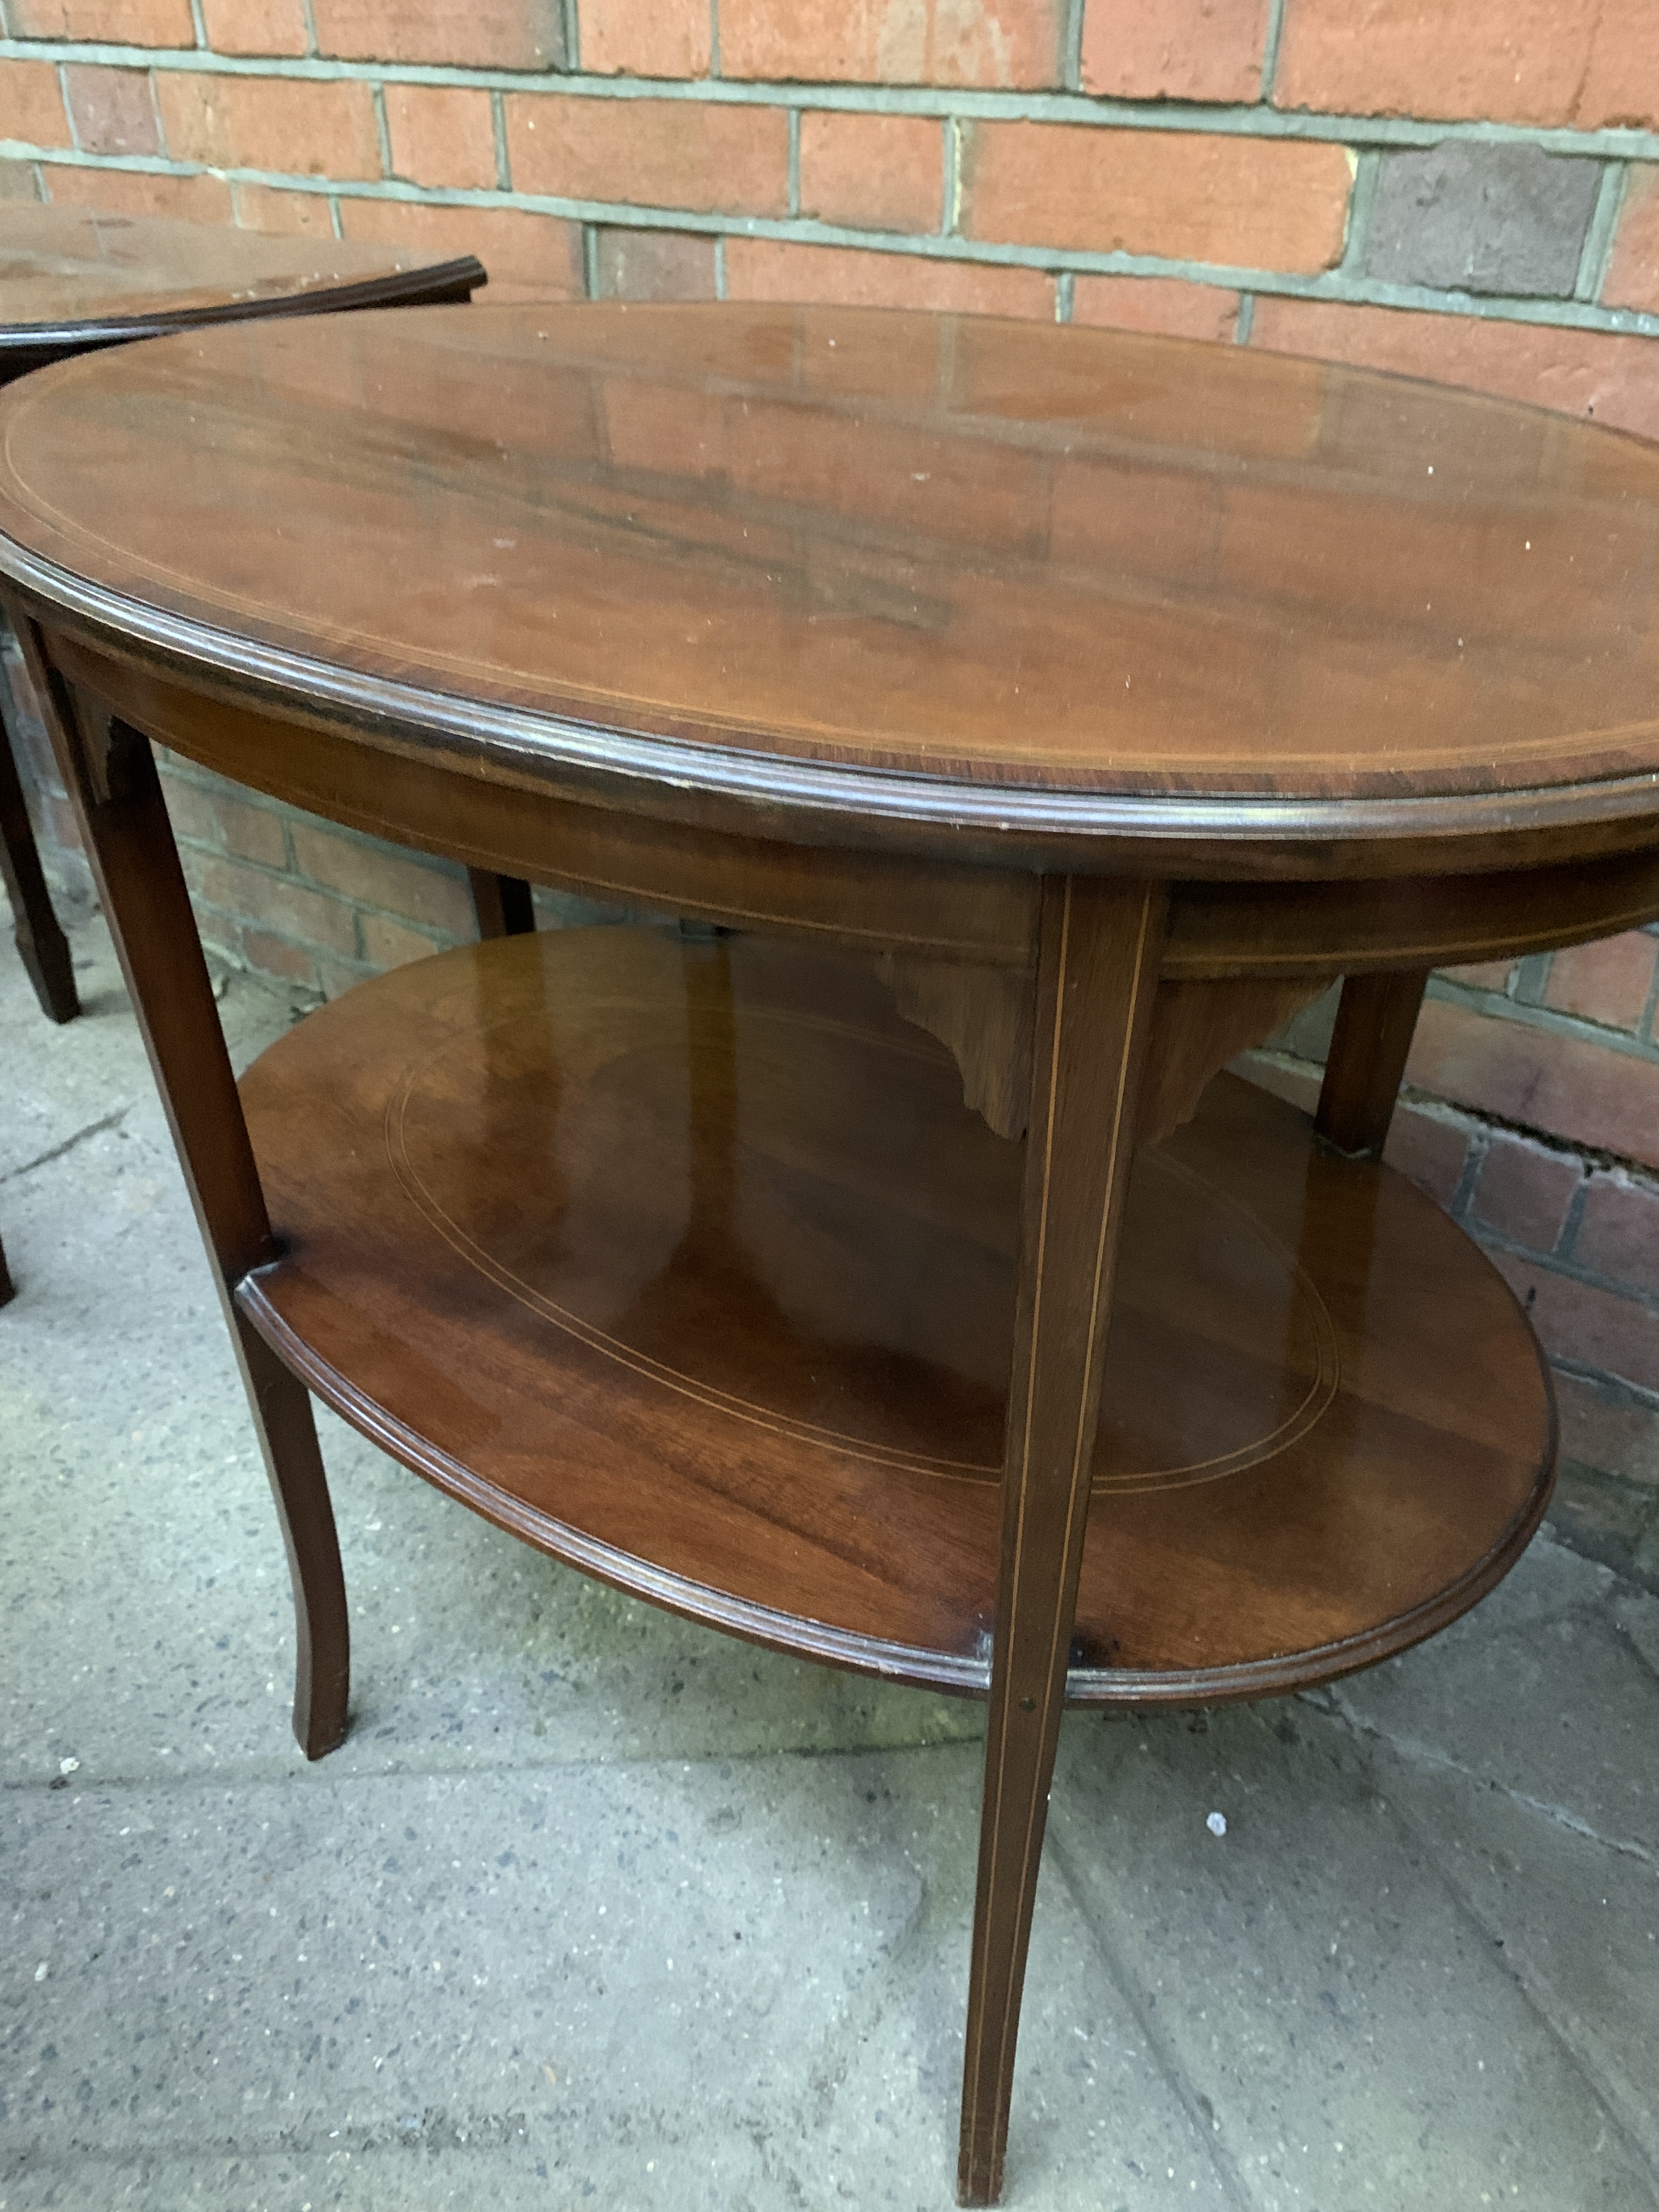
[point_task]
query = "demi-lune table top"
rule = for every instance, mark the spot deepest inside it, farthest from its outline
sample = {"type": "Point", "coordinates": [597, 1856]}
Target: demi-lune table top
{"type": "Point", "coordinates": [962, 572]}
{"type": "Point", "coordinates": [71, 277]}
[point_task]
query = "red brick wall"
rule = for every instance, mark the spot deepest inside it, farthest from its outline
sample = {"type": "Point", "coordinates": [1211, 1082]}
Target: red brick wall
{"type": "Point", "coordinates": [1468, 192]}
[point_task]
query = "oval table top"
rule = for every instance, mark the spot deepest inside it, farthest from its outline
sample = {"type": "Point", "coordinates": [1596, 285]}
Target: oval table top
{"type": "Point", "coordinates": [71, 275]}
{"type": "Point", "coordinates": [975, 576]}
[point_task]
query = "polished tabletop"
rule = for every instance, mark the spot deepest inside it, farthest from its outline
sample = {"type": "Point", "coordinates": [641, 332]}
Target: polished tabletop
{"type": "Point", "coordinates": [982, 565]}
{"type": "Point", "coordinates": [64, 268]}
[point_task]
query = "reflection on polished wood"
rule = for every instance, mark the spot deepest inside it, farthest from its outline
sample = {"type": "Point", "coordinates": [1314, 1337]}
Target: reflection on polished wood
{"type": "Point", "coordinates": [735, 1265]}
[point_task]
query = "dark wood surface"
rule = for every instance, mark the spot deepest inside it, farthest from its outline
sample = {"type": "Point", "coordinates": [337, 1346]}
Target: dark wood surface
{"type": "Point", "coordinates": [688, 1263]}
{"type": "Point", "coordinates": [1045, 586]}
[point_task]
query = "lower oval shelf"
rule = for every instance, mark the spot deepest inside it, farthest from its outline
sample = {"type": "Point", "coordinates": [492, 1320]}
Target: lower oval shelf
{"type": "Point", "coordinates": [686, 1262]}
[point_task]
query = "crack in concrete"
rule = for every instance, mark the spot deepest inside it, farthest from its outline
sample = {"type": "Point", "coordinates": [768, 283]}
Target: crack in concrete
{"type": "Point", "coordinates": [92, 1129]}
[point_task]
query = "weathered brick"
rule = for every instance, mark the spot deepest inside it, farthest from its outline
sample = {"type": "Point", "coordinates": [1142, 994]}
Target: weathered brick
{"type": "Point", "coordinates": [1163, 304]}
{"type": "Point", "coordinates": [1632, 277]}
{"type": "Point", "coordinates": [1523, 1192]}
{"type": "Point", "coordinates": [273, 956]}
{"type": "Point", "coordinates": [1619, 1232]}
{"type": "Point", "coordinates": [189, 810]}
{"type": "Point", "coordinates": [1428, 1149]}
{"type": "Point", "coordinates": [516, 34]}
{"type": "Point", "coordinates": [20, 180]}
{"type": "Point", "coordinates": [256, 26]}
{"type": "Point", "coordinates": [1577, 372]}
{"type": "Point", "coordinates": [277, 902]}
{"type": "Point", "coordinates": [114, 110]}
{"type": "Point", "coordinates": [390, 944]}
{"type": "Point", "coordinates": [1621, 84]}
{"type": "Point", "coordinates": [1602, 1428]}
{"type": "Point", "coordinates": [132, 191]}
{"type": "Point", "coordinates": [31, 106]}
{"type": "Point", "coordinates": [654, 265]}
{"type": "Point", "coordinates": [58, 822]}
{"type": "Point", "coordinates": [877, 171]}
{"type": "Point", "coordinates": [646, 37]}
{"type": "Point", "coordinates": [943, 42]}
{"type": "Point", "coordinates": [1253, 202]}
{"type": "Point", "coordinates": [653, 153]}
{"type": "Point", "coordinates": [1581, 1322]}
{"type": "Point", "coordinates": [842, 276]}
{"type": "Point", "coordinates": [1506, 219]}
{"type": "Point", "coordinates": [377, 875]}
{"type": "Point", "coordinates": [251, 833]}
{"type": "Point", "coordinates": [263, 207]}
{"type": "Point", "coordinates": [1175, 50]}
{"type": "Point", "coordinates": [1608, 983]}
{"type": "Point", "coordinates": [1485, 975]}
{"type": "Point", "coordinates": [529, 257]}
{"type": "Point", "coordinates": [124, 22]}
{"type": "Point", "coordinates": [335, 977]}
{"type": "Point", "coordinates": [1586, 1093]}
{"type": "Point", "coordinates": [1512, 61]}
{"type": "Point", "coordinates": [289, 125]}
{"type": "Point", "coordinates": [441, 135]}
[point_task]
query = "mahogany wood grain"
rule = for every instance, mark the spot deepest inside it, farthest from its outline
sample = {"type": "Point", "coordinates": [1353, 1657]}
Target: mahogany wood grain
{"type": "Point", "coordinates": [41, 944]}
{"type": "Point", "coordinates": [1097, 982]}
{"type": "Point", "coordinates": [1375, 1020]}
{"type": "Point", "coordinates": [985, 589]}
{"type": "Point", "coordinates": [128, 840]}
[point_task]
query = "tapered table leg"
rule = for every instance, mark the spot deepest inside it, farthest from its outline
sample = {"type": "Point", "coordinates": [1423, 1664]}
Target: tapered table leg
{"type": "Point", "coordinates": [111, 774]}
{"type": "Point", "coordinates": [1369, 1047]}
{"type": "Point", "coordinates": [1097, 980]}
{"type": "Point", "coordinates": [41, 944]}
{"type": "Point", "coordinates": [502, 904]}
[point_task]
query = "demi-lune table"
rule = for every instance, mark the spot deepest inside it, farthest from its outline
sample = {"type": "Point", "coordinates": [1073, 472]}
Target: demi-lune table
{"type": "Point", "coordinates": [72, 280]}
{"type": "Point", "coordinates": [888, 1275]}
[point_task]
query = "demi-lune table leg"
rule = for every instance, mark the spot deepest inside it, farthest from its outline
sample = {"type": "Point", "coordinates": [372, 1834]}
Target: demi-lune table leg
{"type": "Point", "coordinates": [41, 944]}
{"type": "Point", "coordinates": [1366, 1063]}
{"type": "Point", "coordinates": [1097, 980]}
{"type": "Point", "coordinates": [502, 904]}
{"type": "Point", "coordinates": [111, 773]}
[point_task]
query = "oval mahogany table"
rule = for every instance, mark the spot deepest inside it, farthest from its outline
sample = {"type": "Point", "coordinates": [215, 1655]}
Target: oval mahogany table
{"type": "Point", "coordinates": [1041, 715]}
{"type": "Point", "coordinates": [72, 280]}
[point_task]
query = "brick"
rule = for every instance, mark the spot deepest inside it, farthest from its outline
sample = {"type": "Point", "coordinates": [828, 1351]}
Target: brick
{"type": "Point", "coordinates": [1586, 373]}
{"type": "Point", "coordinates": [441, 135]}
{"type": "Point", "coordinates": [529, 257]}
{"type": "Point", "coordinates": [872, 172]}
{"type": "Point", "coordinates": [1509, 60]}
{"type": "Point", "coordinates": [335, 977]}
{"type": "Point", "coordinates": [1608, 983]}
{"type": "Point", "coordinates": [1429, 1149]}
{"type": "Point", "coordinates": [32, 105]}
{"type": "Point", "coordinates": [653, 153]}
{"type": "Point", "coordinates": [390, 944]}
{"type": "Point", "coordinates": [843, 276]}
{"type": "Point", "coordinates": [646, 37]}
{"type": "Point", "coordinates": [1161, 304]}
{"type": "Point", "coordinates": [278, 903]}
{"type": "Point", "coordinates": [1621, 85]}
{"type": "Point", "coordinates": [375, 875]}
{"type": "Point", "coordinates": [654, 265]}
{"type": "Point", "coordinates": [120, 22]}
{"type": "Point", "coordinates": [112, 110]}
{"type": "Point", "coordinates": [20, 180]}
{"type": "Point", "coordinates": [273, 956]}
{"type": "Point", "coordinates": [131, 192]}
{"type": "Point", "coordinates": [1253, 202]}
{"type": "Point", "coordinates": [1619, 1232]}
{"type": "Point", "coordinates": [256, 26]}
{"type": "Point", "coordinates": [934, 42]}
{"type": "Point", "coordinates": [1632, 277]}
{"type": "Point", "coordinates": [1175, 50]}
{"type": "Point", "coordinates": [515, 34]}
{"type": "Point", "coordinates": [1523, 1192]}
{"type": "Point", "coordinates": [189, 810]}
{"type": "Point", "coordinates": [289, 125]}
{"type": "Point", "coordinates": [1565, 1086]}
{"type": "Point", "coordinates": [1584, 1324]}
{"type": "Point", "coordinates": [1600, 1428]}
{"type": "Point", "coordinates": [58, 823]}
{"type": "Point", "coordinates": [251, 833]}
{"type": "Point", "coordinates": [298, 214]}
{"type": "Point", "coordinates": [1506, 219]}
{"type": "Point", "coordinates": [1485, 975]}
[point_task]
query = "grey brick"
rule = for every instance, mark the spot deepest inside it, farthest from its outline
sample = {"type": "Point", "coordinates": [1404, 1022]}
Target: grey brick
{"type": "Point", "coordinates": [1470, 218]}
